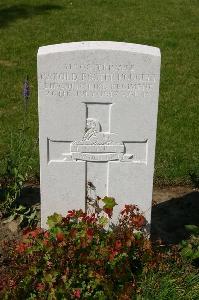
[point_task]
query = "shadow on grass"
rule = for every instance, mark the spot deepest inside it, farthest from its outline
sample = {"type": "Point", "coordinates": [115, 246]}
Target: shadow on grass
{"type": "Point", "coordinates": [22, 11]}
{"type": "Point", "coordinates": [170, 217]}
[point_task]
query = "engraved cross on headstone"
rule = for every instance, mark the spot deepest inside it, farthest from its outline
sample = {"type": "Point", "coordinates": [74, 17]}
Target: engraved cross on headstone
{"type": "Point", "coordinates": [98, 147]}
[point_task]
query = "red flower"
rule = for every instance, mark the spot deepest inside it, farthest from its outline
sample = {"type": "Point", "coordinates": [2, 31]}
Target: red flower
{"type": "Point", "coordinates": [118, 244]}
{"type": "Point", "coordinates": [112, 255]}
{"type": "Point", "coordinates": [46, 238]}
{"type": "Point", "coordinates": [49, 264]}
{"type": "Point", "coordinates": [21, 247]}
{"type": "Point", "coordinates": [89, 219]}
{"type": "Point", "coordinates": [83, 244]}
{"type": "Point", "coordinates": [26, 230]}
{"type": "Point", "coordinates": [33, 233]}
{"type": "Point", "coordinates": [40, 287]}
{"type": "Point", "coordinates": [71, 213]}
{"type": "Point", "coordinates": [12, 283]}
{"type": "Point", "coordinates": [138, 221]}
{"type": "Point", "coordinates": [45, 242]}
{"type": "Point", "coordinates": [46, 234]}
{"type": "Point", "coordinates": [108, 211]}
{"type": "Point", "coordinates": [66, 220]}
{"type": "Point", "coordinates": [77, 293]}
{"type": "Point", "coordinates": [60, 236]}
{"type": "Point", "coordinates": [128, 208]}
{"type": "Point", "coordinates": [90, 233]}
{"type": "Point", "coordinates": [73, 232]}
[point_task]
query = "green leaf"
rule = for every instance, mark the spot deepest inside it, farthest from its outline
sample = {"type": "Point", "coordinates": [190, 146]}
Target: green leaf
{"type": "Point", "coordinates": [48, 278]}
{"type": "Point", "coordinates": [109, 202]}
{"type": "Point", "coordinates": [32, 215]}
{"type": "Point", "coordinates": [183, 243]}
{"type": "Point", "coordinates": [103, 221]}
{"type": "Point", "coordinates": [10, 219]}
{"type": "Point", "coordinates": [21, 177]}
{"type": "Point", "coordinates": [187, 252]}
{"type": "Point", "coordinates": [54, 220]}
{"type": "Point", "coordinates": [196, 255]}
{"type": "Point", "coordinates": [21, 208]}
{"type": "Point", "coordinates": [32, 296]}
{"type": "Point", "coordinates": [15, 171]}
{"type": "Point", "coordinates": [138, 235]}
{"type": "Point", "coordinates": [21, 219]}
{"type": "Point", "coordinates": [192, 228]}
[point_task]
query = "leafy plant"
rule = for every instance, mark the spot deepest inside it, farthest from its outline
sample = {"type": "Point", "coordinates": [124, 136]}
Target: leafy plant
{"type": "Point", "coordinates": [27, 217]}
{"type": "Point", "coordinates": [78, 259]}
{"type": "Point", "coordinates": [11, 186]}
{"type": "Point", "coordinates": [190, 247]}
{"type": "Point", "coordinates": [15, 167]}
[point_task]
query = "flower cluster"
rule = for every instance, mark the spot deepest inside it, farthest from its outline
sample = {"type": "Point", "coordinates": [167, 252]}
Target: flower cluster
{"type": "Point", "coordinates": [79, 258]}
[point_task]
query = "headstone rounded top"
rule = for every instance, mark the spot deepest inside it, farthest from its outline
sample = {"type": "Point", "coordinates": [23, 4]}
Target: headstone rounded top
{"type": "Point", "coordinates": [99, 45]}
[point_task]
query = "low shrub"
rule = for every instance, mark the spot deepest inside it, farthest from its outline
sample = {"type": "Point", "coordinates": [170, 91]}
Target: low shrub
{"type": "Point", "coordinates": [77, 258]}
{"type": "Point", "coordinates": [15, 170]}
{"type": "Point", "coordinates": [190, 248]}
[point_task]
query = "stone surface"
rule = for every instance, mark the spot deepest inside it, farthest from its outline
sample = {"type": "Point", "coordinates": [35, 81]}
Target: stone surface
{"type": "Point", "coordinates": [98, 104]}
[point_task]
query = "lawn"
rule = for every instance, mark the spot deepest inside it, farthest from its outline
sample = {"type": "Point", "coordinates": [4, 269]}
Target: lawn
{"type": "Point", "coordinates": [171, 25]}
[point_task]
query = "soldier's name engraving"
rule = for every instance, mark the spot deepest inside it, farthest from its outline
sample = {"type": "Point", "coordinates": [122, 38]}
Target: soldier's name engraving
{"type": "Point", "coordinates": [127, 76]}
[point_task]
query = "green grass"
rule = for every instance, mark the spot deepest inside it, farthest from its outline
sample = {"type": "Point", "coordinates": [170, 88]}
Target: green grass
{"type": "Point", "coordinates": [171, 25]}
{"type": "Point", "coordinates": [177, 284]}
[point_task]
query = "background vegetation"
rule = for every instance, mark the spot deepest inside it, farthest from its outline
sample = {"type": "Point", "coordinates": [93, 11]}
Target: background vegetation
{"type": "Point", "coordinates": [171, 25]}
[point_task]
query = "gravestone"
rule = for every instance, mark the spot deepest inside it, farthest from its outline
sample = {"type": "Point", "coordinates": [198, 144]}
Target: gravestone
{"type": "Point", "coordinates": [98, 104]}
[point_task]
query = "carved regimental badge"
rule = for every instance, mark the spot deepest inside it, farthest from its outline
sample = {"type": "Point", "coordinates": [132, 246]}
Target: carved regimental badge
{"type": "Point", "coordinates": [97, 146]}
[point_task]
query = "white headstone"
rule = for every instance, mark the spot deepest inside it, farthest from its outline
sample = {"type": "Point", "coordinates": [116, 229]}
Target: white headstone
{"type": "Point", "coordinates": [98, 104]}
